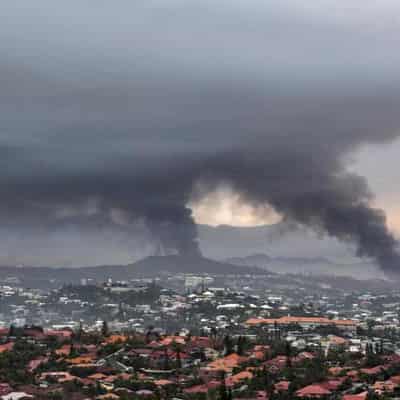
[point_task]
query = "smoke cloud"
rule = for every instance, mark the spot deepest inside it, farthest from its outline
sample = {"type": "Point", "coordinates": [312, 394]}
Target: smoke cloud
{"type": "Point", "coordinates": [123, 115]}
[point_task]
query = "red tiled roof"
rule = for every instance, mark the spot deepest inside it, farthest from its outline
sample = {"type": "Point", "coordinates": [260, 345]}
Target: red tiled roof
{"type": "Point", "coordinates": [258, 355]}
{"type": "Point", "coordinates": [6, 347]}
{"type": "Point", "coordinates": [202, 388]}
{"type": "Point", "coordinates": [34, 333]}
{"type": "Point", "coordinates": [63, 333]}
{"type": "Point", "coordinates": [4, 331]}
{"type": "Point", "coordinates": [386, 386]}
{"type": "Point", "coordinates": [172, 339]}
{"type": "Point", "coordinates": [5, 388]}
{"type": "Point", "coordinates": [163, 382]}
{"type": "Point", "coordinates": [80, 360]}
{"type": "Point", "coordinates": [278, 362]}
{"type": "Point", "coordinates": [282, 386]}
{"type": "Point", "coordinates": [34, 364]}
{"type": "Point", "coordinates": [395, 379]}
{"type": "Point", "coordinates": [262, 347]}
{"type": "Point", "coordinates": [372, 371]}
{"type": "Point", "coordinates": [335, 371]}
{"type": "Point", "coordinates": [313, 391]}
{"type": "Point", "coordinates": [227, 363]}
{"type": "Point", "coordinates": [200, 341]}
{"type": "Point", "coordinates": [97, 377]}
{"type": "Point", "coordinates": [64, 350]}
{"type": "Point", "coordinates": [338, 340]}
{"type": "Point", "coordinates": [236, 379]}
{"type": "Point", "coordinates": [115, 339]}
{"type": "Point", "coordinates": [61, 376]}
{"type": "Point", "coordinates": [332, 384]}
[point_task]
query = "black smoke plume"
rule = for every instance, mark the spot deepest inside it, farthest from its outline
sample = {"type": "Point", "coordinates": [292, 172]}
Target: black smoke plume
{"type": "Point", "coordinates": [294, 160]}
{"type": "Point", "coordinates": [123, 115]}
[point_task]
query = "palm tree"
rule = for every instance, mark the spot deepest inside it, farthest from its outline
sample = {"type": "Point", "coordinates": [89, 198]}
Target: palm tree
{"type": "Point", "coordinates": [104, 329]}
{"type": "Point", "coordinates": [177, 348]}
{"type": "Point", "coordinates": [166, 358]}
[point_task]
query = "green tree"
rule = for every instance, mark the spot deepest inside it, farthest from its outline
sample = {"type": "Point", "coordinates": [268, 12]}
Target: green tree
{"type": "Point", "coordinates": [228, 345]}
{"type": "Point", "coordinates": [223, 393]}
{"type": "Point", "coordinates": [12, 331]}
{"type": "Point", "coordinates": [268, 382]}
{"type": "Point", "coordinates": [80, 332]}
{"type": "Point", "coordinates": [288, 354]}
{"type": "Point", "coordinates": [104, 329]}
{"type": "Point", "coordinates": [242, 345]}
{"type": "Point", "coordinates": [177, 348]}
{"type": "Point", "coordinates": [166, 359]}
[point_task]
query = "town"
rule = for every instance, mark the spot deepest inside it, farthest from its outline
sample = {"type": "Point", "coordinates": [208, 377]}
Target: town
{"type": "Point", "coordinates": [204, 336]}
{"type": "Point", "coordinates": [199, 200]}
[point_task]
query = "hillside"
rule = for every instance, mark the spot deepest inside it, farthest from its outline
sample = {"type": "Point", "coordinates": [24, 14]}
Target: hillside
{"type": "Point", "coordinates": [178, 264]}
{"type": "Point", "coordinates": [308, 265]}
{"type": "Point", "coordinates": [148, 267]}
{"type": "Point", "coordinates": [278, 240]}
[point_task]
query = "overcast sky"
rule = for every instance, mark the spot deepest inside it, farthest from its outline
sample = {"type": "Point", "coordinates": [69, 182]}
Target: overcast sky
{"type": "Point", "coordinates": [128, 111]}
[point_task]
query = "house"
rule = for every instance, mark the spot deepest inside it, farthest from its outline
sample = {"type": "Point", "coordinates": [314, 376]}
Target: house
{"type": "Point", "coordinates": [62, 334]}
{"type": "Point", "coordinates": [113, 378]}
{"type": "Point", "coordinates": [381, 387]}
{"type": "Point", "coordinates": [259, 352]}
{"type": "Point", "coordinates": [60, 377]}
{"type": "Point", "coordinates": [372, 371]}
{"type": "Point", "coordinates": [303, 356]}
{"type": "Point", "coordinates": [313, 391]}
{"type": "Point", "coordinates": [159, 358]}
{"type": "Point", "coordinates": [170, 340]}
{"type": "Point", "coordinates": [80, 360]}
{"type": "Point", "coordinates": [108, 396]}
{"type": "Point", "coordinates": [197, 389]}
{"type": "Point", "coordinates": [163, 382]}
{"type": "Point", "coordinates": [6, 347]}
{"type": "Point", "coordinates": [238, 378]}
{"type": "Point", "coordinates": [395, 379]}
{"type": "Point", "coordinates": [304, 322]}
{"type": "Point", "coordinates": [222, 365]}
{"type": "Point", "coordinates": [113, 339]}
{"type": "Point", "coordinates": [144, 393]}
{"type": "Point", "coordinates": [34, 332]}
{"type": "Point", "coordinates": [204, 388]}
{"type": "Point", "coordinates": [5, 388]}
{"type": "Point", "coordinates": [4, 332]}
{"type": "Point", "coordinates": [353, 375]}
{"type": "Point", "coordinates": [64, 350]}
{"type": "Point", "coordinates": [36, 363]}
{"type": "Point", "coordinates": [337, 341]}
{"type": "Point", "coordinates": [335, 371]}
{"type": "Point", "coordinates": [333, 384]}
{"type": "Point", "coordinates": [17, 396]}
{"type": "Point", "coordinates": [282, 386]}
{"type": "Point", "coordinates": [97, 377]}
{"type": "Point", "coordinates": [200, 342]}
{"type": "Point", "coordinates": [277, 364]}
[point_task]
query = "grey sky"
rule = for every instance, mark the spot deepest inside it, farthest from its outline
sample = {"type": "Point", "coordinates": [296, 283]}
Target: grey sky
{"type": "Point", "coordinates": [133, 103]}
